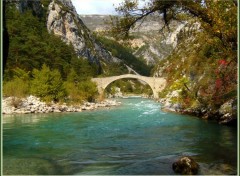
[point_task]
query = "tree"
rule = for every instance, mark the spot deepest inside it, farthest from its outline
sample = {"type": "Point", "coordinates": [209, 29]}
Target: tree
{"type": "Point", "coordinates": [217, 17]}
{"type": "Point", "coordinates": [218, 21]}
{"type": "Point", "coordinates": [47, 84]}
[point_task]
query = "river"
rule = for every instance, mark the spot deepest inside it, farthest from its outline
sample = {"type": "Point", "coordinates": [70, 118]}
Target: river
{"type": "Point", "coordinates": [133, 138]}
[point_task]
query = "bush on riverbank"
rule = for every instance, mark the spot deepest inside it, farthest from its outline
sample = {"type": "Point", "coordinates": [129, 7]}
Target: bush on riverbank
{"type": "Point", "coordinates": [48, 85]}
{"type": "Point", "coordinates": [79, 89]}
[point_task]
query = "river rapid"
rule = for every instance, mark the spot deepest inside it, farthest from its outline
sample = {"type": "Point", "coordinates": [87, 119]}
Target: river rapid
{"type": "Point", "coordinates": [133, 138]}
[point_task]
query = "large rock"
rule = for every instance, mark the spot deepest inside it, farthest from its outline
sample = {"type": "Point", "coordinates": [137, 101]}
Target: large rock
{"type": "Point", "coordinates": [228, 112]}
{"type": "Point", "coordinates": [185, 165]}
{"type": "Point", "coordinates": [228, 107]}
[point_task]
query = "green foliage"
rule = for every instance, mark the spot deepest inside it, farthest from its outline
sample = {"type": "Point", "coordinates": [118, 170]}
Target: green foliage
{"type": "Point", "coordinates": [112, 90]}
{"type": "Point", "coordinates": [83, 68]}
{"type": "Point", "coordinates": [47, 84]}
{"type": "Point", "coordinates": [79, 90]}
{"type": "Point", "coordinates": [129, 86]}
{"type": "Point", "coordinates": [179, 84]}
{"type": "Point", "coordinates": [88, 90]}
{"type": "Point", "coordinates": [113, 69]}
{"type": "Point", "coordinates": [125, 54]}
{"type": "Point", "coordinates": [18, 86]}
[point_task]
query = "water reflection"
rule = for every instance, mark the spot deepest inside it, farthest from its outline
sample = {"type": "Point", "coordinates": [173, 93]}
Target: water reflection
{"type": "Point", "coordinates": [27, 118]}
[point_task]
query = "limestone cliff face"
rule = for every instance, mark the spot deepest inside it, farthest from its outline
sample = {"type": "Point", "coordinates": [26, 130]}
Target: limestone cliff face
{"type": "Point", "coordinates": [63, 20]}
{"type": "Point", "coordinates": [148, 43]}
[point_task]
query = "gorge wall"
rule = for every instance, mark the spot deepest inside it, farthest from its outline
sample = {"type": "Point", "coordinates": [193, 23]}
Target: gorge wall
{"type": "Point", "coordinates": [63, 21]}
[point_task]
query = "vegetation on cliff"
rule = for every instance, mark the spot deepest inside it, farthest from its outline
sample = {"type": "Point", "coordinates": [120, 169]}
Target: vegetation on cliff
{"type": "Point", "coordinates": [125, 54]}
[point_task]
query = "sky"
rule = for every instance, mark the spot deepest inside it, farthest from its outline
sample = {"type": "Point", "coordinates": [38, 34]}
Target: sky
{"type": "Point", "coordinates": [96, 6]}
{"type": "Point", "coordinates": [104, 7]}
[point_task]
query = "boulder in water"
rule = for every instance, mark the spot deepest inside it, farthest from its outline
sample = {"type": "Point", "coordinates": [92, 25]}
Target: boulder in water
{"type": "Point", "coordinates": [185, 165]}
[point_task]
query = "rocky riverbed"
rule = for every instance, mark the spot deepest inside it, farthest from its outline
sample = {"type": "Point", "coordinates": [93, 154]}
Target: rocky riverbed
{"type": "Point", "coordinates": [32, 104]}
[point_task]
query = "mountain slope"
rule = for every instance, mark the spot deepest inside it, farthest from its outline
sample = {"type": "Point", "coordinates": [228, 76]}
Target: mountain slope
{"type": "Point", "coordinates": [60, 19]}
{"type": "Point", "coordinates": [147, 41]}
{"type": "Point", "coordinates": [63, 21]}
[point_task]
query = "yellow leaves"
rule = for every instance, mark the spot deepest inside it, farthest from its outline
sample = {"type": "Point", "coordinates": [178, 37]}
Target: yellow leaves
{"type": "Point", "coordinates": [179, 84]}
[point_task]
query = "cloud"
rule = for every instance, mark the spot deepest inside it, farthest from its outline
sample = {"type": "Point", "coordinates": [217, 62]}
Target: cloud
{"type": "Point", "coordinates": [95, 6]}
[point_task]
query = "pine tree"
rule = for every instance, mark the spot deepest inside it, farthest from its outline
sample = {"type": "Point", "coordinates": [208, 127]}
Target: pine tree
{"type": "Point", "coordinates": [47, 84]}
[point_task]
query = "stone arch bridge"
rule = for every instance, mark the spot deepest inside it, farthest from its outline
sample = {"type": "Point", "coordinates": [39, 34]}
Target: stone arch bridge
{"type": "Point", "coordinates": [156, 84]}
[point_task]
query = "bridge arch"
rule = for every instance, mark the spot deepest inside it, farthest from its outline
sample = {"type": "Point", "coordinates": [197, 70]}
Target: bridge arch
{"type": "Point", "coordinates": [129, 78]}
{"type": "Point", "coordinates": [156, 84]}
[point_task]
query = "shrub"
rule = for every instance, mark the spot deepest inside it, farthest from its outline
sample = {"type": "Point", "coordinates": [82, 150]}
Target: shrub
{"type": "Point", "coordinates": [18, 86]}
{"type": "Point", "coordinates": [79, 89]}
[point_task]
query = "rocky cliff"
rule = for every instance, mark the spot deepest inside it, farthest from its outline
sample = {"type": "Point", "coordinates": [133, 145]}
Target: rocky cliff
{"type": "Point", "coordinates": [63, 21]}
{"type": "Point", "coordinates": [147, 41]}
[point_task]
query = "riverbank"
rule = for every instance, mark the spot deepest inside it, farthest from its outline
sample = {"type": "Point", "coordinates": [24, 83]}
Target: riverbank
{"type": "Point", "coordinates": [32, 104]}
{"type": "Point", "coordinates": [225, 115]}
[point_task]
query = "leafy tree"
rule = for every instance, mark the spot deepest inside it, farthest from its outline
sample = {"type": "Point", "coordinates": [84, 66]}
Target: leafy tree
{"type": "Point", "coordinates": [47, 84]}
{"type": "Point", "coordinates": [217, 17]}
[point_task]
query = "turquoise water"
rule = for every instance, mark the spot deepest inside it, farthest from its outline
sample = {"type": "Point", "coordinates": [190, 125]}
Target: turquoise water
{"type": "Point", "coordinates": [134, 138]}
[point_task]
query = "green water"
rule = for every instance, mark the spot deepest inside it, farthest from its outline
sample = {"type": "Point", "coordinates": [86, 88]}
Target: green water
{"type": "Point", "coordinates": [134, 138]}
